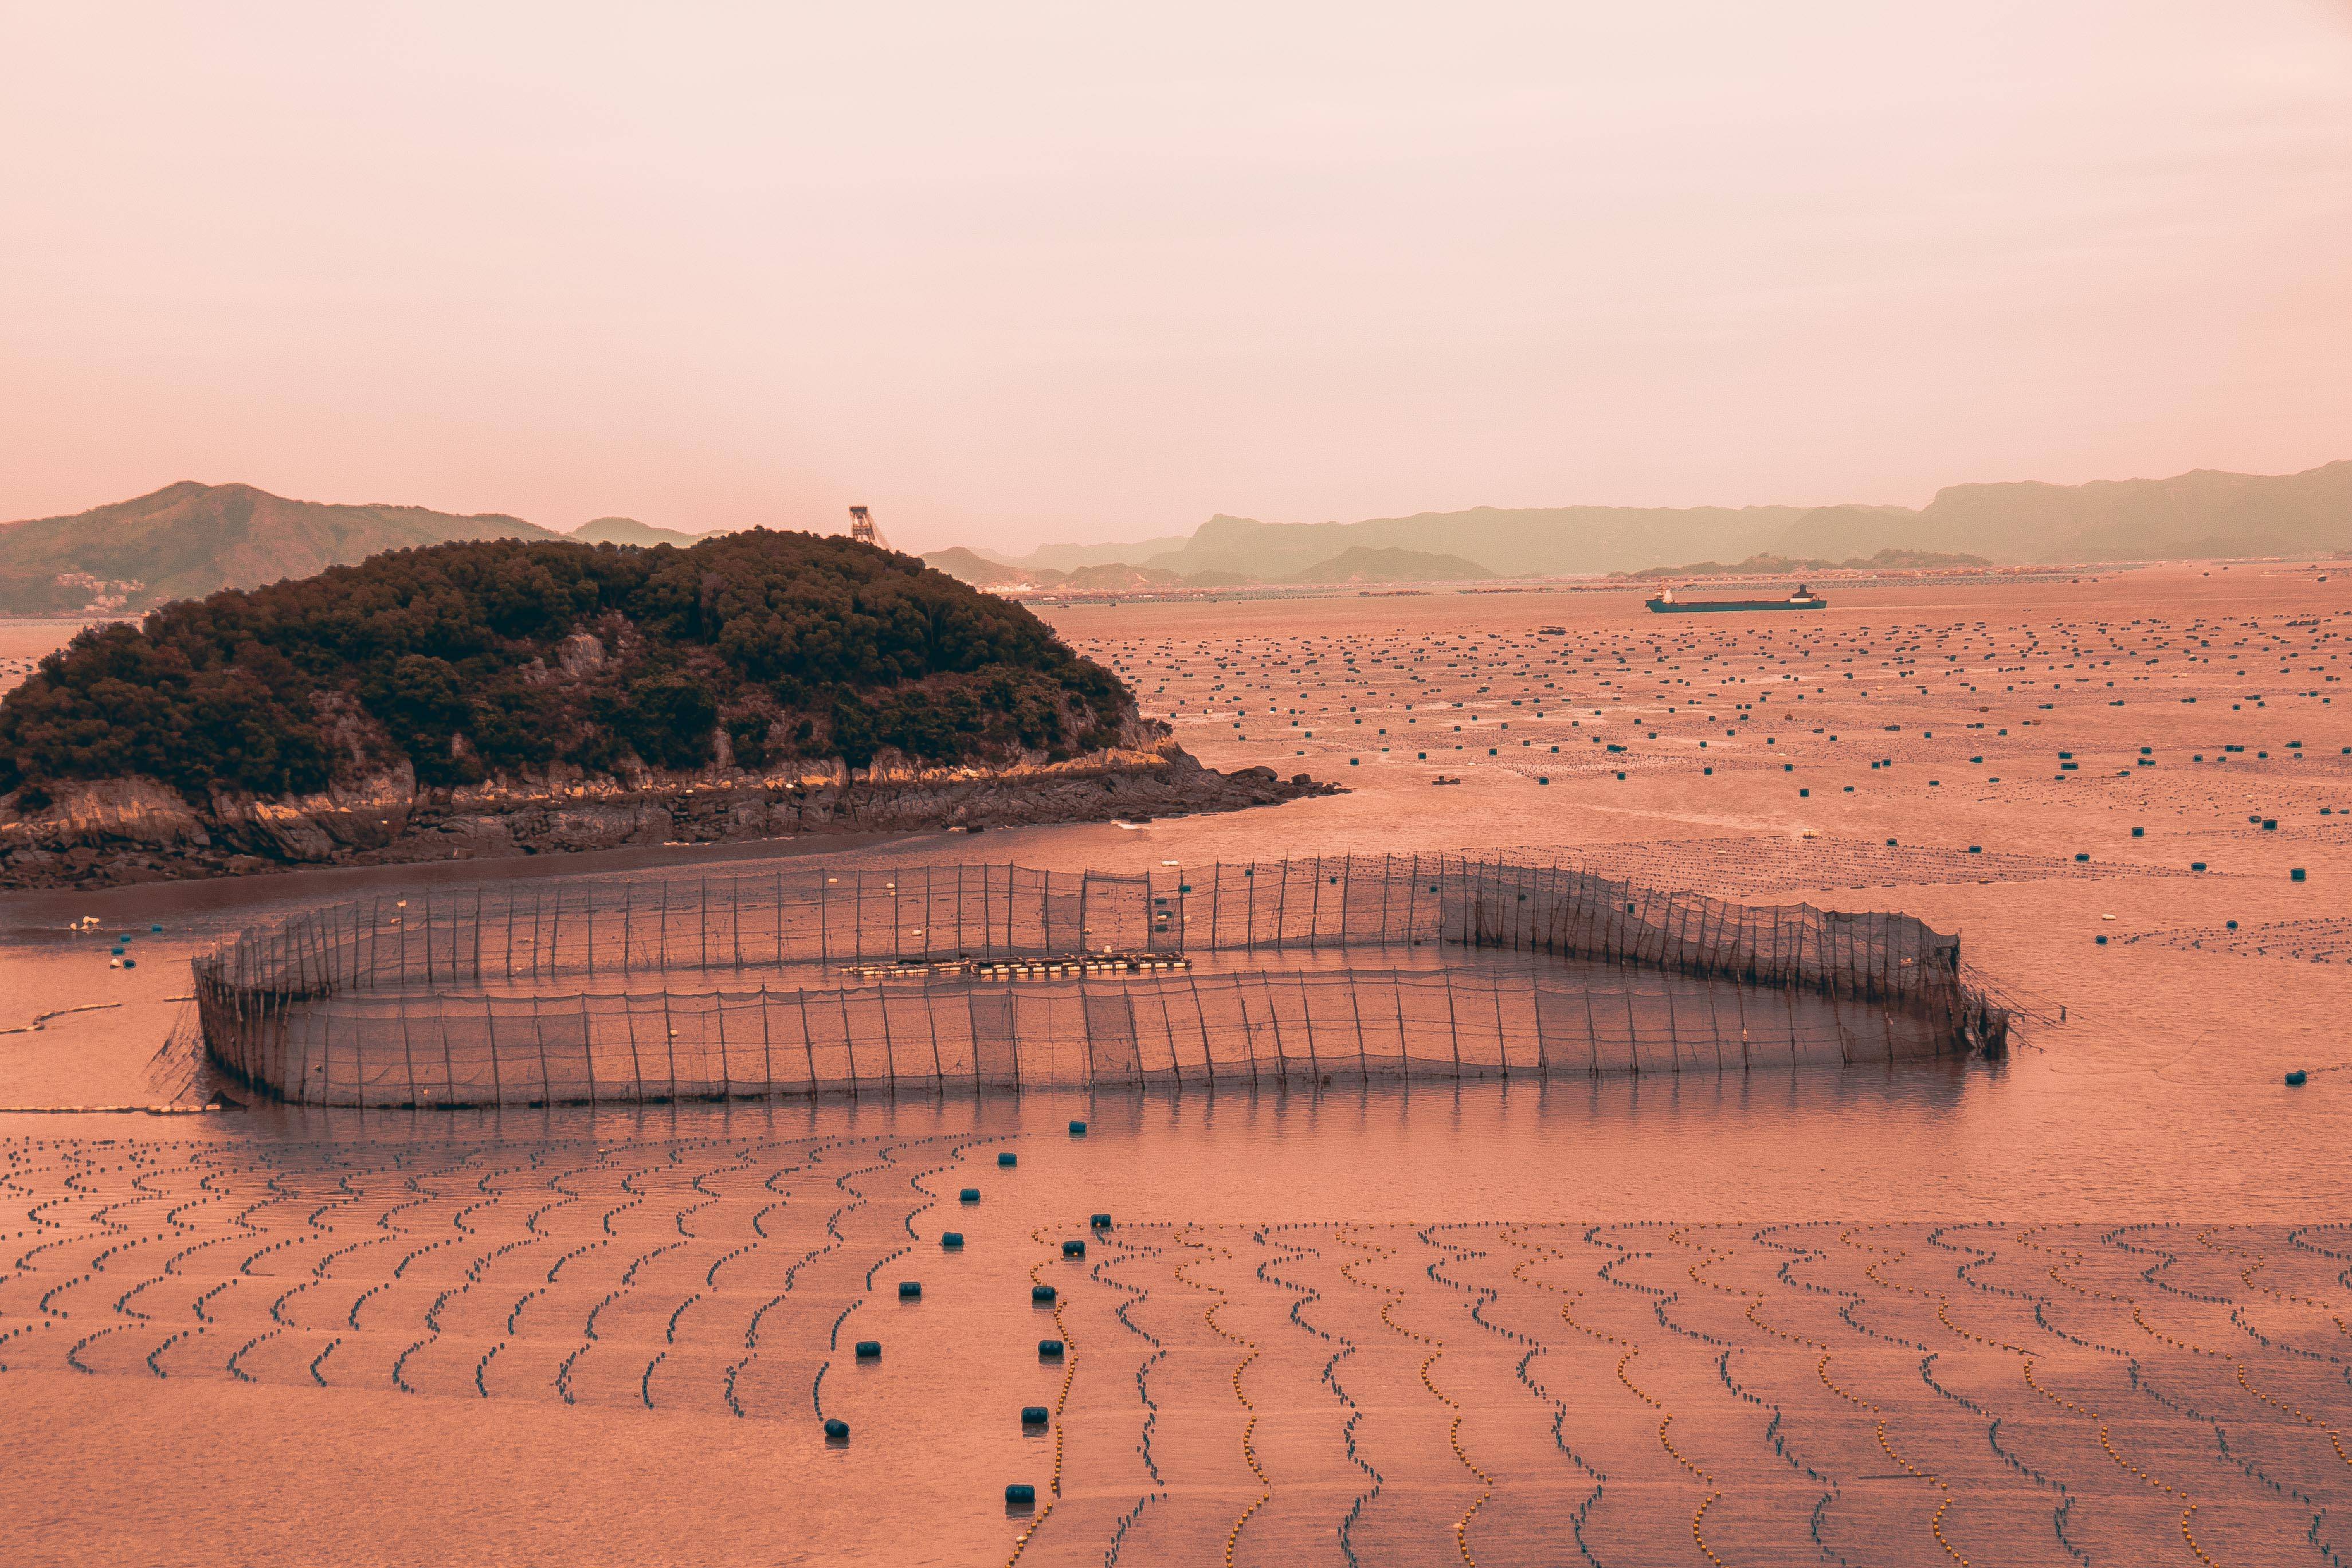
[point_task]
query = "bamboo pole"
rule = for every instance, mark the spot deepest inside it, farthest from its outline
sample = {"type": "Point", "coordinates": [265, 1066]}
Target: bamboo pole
{"type": "Point", "coordinates": [490, 1025]}
{"type": "Point", "coordinates": [808, 1037]}
{"type": "Point", "coordinates": [1453, 1025]}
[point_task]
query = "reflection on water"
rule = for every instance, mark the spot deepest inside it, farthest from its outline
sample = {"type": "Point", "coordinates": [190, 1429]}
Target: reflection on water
{"type": "Point", "coordinates": [2014, 1139]}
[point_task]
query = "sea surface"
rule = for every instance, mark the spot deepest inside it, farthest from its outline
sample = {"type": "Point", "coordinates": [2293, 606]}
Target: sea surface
{"type": "Point", "coordinates": [2086, 1304]}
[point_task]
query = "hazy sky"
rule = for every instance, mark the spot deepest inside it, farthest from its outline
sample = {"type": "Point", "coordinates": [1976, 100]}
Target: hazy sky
{"type": "Point", "coordinates": [1015, 272]}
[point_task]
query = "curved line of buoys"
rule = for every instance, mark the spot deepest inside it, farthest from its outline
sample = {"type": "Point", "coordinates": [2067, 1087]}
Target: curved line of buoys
{"type": "Point", "coordinates": [1061, 1398]}
{"type": "Point", "coordinates": [2073, 1259]}
{"type": "Point", "coordinates": [1454, 1435]}
{"type": "Point", "coordinates": [1944, 1502]}
{"type": "Point", "coordinates": [1511, 1237]}
{"type": "Point", "coordinates": [1249, 1427]}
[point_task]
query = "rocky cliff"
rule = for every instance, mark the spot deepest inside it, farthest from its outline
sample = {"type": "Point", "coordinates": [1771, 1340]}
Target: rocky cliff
{"type": "Point", "coordinates": [116, 831]}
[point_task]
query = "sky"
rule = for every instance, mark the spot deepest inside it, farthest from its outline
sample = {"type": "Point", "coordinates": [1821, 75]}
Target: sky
{"type": "Point", "coordinates": [1016, 273]}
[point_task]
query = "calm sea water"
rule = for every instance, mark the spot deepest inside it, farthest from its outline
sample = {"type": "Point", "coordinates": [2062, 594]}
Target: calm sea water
{"type": "Point", "coordinates": [2082, 1304]}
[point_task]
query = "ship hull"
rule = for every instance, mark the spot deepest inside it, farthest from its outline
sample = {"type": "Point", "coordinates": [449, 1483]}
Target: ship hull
{"type": "Point", "coordinates": [1704, 607]}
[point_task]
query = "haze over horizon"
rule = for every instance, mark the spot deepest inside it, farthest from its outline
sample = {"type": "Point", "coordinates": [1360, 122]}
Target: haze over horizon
{"type": "Point", "coordinates": [1067, 276]}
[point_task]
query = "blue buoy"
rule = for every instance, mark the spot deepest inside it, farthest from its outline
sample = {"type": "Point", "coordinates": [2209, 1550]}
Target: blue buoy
{"type": "Point", "coordinates": [1019, 1494]}
{"type": "Point", "coordinates": [1078, 1128]}
{"type": "Point", "coordinates": [1073, 1250]}
{"type": "Point", "coordinates": [952, 1240]}
{"type": "Point", "coordinates": [1042, 1294]}
{"type": "Point", "coordinates": [1008, 1158]}
{"type": "Point", "coordinates": [869, 1350]}
{"type": "Point", "coordinates": [2103, 942]}
{"type": "Point", "coordinates": [911, 1289]}
{"type": "Point", "coordinates": [154, 928]}
{"type": "Point", "coordinates": [1100, 1222]}
{"type": "Point", "coordinates": [836, 1430]}
{"type": "Point", "coordinates": [130, 964]}
{"type": "Point", "coordinates": [969, 1196]}
{"type": "Point", "coordinates": [1034, 1414]}
{"type": "Point", "coordinates": [2298, 1078]}
{"type": "Point", "coordinates": [2295, 875]}
{"type": "Point", "coordinates": [1049, 1350]}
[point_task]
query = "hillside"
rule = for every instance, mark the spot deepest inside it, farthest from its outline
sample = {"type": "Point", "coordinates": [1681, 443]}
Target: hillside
{"type": "Point", "coordinates": [1366, 564]}
{"type": "Point", "coordinates": [2200, 513]}
{"type": "Point", "coordinates": [982, 571]}
{"type": "Point", "coordinates": [461, 662]}
{"type": "Point", "coordinates": [189, 539]}
{"type": "Point", "coordinates": [629, 530]}
{"type": "Point", "coordinates": [1118, 577]}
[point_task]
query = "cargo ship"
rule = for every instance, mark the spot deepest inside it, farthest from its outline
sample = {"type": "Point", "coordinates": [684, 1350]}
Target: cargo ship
{"type": "Point", "coordinates": [1805, 598]}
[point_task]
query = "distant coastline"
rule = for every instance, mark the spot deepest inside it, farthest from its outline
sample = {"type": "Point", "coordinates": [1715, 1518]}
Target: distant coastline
{"type": "Point", "coordinates": [190, 538]}
{"type": "Point", "coordinates": [2203, 514]}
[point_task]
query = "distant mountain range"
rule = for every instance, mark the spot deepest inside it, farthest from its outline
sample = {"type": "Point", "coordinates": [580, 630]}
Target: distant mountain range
{"type": "Point", "coordinates": [970, 566]}
{"type": "Point", "coordinates": [1356, 563]}
{"type": "Point", "coordinates": [1770, 565]}
{"type": "Point", "coordinates": [190, 538]}
{"type": "Point", "coordinates": [2204, 513]}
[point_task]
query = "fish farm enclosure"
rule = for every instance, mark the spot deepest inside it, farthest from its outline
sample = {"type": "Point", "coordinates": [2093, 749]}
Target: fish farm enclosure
{"type": "Point", "coordinates": [946, 979]}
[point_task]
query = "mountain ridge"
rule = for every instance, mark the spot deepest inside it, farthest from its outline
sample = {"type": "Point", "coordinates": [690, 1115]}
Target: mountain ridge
{"type": "Point", "coordinates": [1356, 563]}
{"type": "Point", "coordinates": [2201, 512]}
{"type": "Point", "coordinates": [629, 530]}
{"type": "Point", "coordinates": [190, 538]}
{"type": "Point", "coordinates": [1391, 564]}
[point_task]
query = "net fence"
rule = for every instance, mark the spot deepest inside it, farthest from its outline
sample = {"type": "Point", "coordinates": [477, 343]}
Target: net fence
{"type": "Point", "coordinates": [941, 978]}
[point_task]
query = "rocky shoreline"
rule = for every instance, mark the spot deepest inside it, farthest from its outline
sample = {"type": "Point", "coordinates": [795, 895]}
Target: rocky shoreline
{"type": "Point", "coordinates": [125, 831]}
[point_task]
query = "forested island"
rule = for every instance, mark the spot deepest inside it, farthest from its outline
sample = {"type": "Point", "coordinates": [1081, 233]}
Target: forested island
{"type": "Point", "coordinates": [510, 696]}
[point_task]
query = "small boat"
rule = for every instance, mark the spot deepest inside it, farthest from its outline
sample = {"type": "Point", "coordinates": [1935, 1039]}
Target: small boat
{"type": "Point", "coordinates": [1805, 598]}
